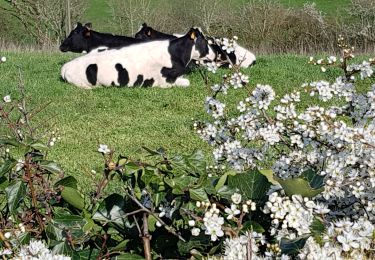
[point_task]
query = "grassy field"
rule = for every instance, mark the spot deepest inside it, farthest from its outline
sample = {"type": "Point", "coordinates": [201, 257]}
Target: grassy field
{"type": "Point", "coordinates": [128, 118]}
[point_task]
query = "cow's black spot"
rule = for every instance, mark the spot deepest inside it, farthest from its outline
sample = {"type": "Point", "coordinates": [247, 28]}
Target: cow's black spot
{"type": "Point", "coordinates": [177, 70]}
{"type": "Point", "coordinates": [92, 74]}
{"type": "Point", "coordinates": [148, 83]}
{"type": "Point", "coordinates": [123, 75]}
{"type": "Point", "coordinates": [139, 81]}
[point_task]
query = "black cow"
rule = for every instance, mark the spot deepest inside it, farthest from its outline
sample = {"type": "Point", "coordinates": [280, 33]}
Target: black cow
{"type": "Point", "coordinates": [239, 56]}
{"type": "Point", "coordinates": [83, 39]}
{"type": "Point", "coordinates": [148, 33]}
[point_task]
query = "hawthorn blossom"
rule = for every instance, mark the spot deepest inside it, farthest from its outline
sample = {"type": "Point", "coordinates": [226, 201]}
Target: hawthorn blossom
{"type": "Point", "coordinates": [195, 232]}
{"type": "Point", "coordinates": [232, 211]}
{"type": "Point", "coordinates": [214, 107]}
{"type": "Point", "coordinates": [38, 250]}
{"type": "Point", "coordinates": [7, 99]}
{"type": "Point", "coordinates": [236, 198]}
{"type": "Point", "coordinates": [103, 148]}
{"type": "Point", "coordinates": [262, 96]}
{"type": "Point", "coordinates": [213, 225]}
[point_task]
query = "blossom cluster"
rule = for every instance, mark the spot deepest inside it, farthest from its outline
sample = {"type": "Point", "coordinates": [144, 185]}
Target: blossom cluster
{"type": "Point", "coordinates": [35, 250]}
{"type": "Point", "coordinates": [292, 217]}
{"type": "Point", "coordinates": [335, 141]}
{"type": "Point", "coordinates": [343, 239]}
{"type": "Point", "coordinates": [216, 219]}
{"type": "Point", "coordinates": [226, 44]}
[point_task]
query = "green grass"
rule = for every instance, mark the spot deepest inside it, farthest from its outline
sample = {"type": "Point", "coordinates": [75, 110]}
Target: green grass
{"type": "Point", "coordinates": [99, 14]}
{"type": "Point", "coordinates": [128, 118]}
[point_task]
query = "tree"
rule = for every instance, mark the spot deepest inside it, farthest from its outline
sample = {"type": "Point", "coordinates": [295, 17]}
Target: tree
{"type": "Point", "coordinates": [46, 21]}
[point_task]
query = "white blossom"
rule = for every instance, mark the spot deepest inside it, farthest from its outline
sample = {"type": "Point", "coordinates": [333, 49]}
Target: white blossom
{"type": "Point", "coordinates": [103, 148]}
{"type": "Point", "coordinates": [7, 99]}
{"type": "Point", "coordinates": [236, 198]}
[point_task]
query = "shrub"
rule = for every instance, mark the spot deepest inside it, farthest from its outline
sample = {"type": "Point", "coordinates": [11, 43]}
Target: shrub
{"type": "Point", "coordinates": [288, 181]}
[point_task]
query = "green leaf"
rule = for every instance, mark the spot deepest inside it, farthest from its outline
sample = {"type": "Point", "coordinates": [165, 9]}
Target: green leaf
{"type": "Point", "coordinates": [252, 184]}
{"type": "Point", "coordinates": [269, 174]}
{"type": "Point", "coordinates": [63, 248]}
{"type": "Point", "coordinates": [120, 246]}
{"type": "Point", "coordinates": [111, 210]}
{"type": "Point", "coordinates": [150, 176]}
{"type": "Point", "coordinates": [226, 192]}
{"type": "Point", "coordinates": [69, 221]}
{"type": "Point", "coordinates": [86, 254]}
{"type": "Point", "coordinates": [10, 141]}
{"type": "Point", "coordinates": [51, 167]}
{"type": "Point", "coordinates": [73, 197]}
{"type": "Point", "coordinates": [160, 151]}
{"type": "Point", "coordinates": [122, 160]}
{"type": "Point", "coordinates": [128, 256]}
{"type": "Point", "coordinates": [197, 161]}
{"type": "Point", "coordinates": [198, 194]}
{"type": "Point", "coordinates": [199, 243]}
{"type": "Point", "coordinates": [39, 146]}
{"type": "Point", "coordinates": [69, 181]}
{"type": "Point", "coordinates": [182, 182]}
{"type": "Point", "coordinates": [132, 168]}
{"type": "Point", "coordinates": [3, 183]}
{"type": "Point", "coordinates": [292, 246]}
{"type": "Point", "coordinates": [7, 166]}
{"type": "Point", "coordinates": [221, 181]}
{"type": "Point", "coordinates": [315, 180]}
{"type": "Point", "coordinates": [299, 186]}
{"type": "Point", "coordinates": [253, 226]}
{"type": "Point", "coordinates": [24, 238]}
{"type": "Point", "coordinates": [151, 223]}
{"type": "Point", "coordinates": [16, 191]}
{"type": "Point", "coordinates": [318, 229]}
{"type": "Point", "coordinates": [54, 233]}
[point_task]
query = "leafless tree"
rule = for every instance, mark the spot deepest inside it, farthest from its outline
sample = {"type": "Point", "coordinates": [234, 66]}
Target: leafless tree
{"type": "Point", "coordinates": [129, 14]}
{"type": "Point", "coordinates": [45, 20]}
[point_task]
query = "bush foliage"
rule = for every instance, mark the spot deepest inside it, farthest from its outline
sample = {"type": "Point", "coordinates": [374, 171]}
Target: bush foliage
{"type": "Point", "coordinates": [288, 181]}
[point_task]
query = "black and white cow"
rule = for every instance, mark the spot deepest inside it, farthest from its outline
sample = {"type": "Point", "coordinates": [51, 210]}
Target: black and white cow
{"type": "Point", "coordinates": [151, 63]}
{"type": "Point", "coordinates": [83, 39]}
{"type": "Point", "coordinates": [240, 56]}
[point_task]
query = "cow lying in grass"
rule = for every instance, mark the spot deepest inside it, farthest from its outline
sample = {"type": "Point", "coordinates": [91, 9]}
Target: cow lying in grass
{"type": "Point", "coordinates": [152, 63]}
{"type": "Point", "coordinates": [240, 56]}
{"type": "Point", "coordinates": [83, 39]}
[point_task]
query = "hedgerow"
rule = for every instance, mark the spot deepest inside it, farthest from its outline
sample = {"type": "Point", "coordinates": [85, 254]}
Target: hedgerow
{"type": "Point", "coordinates": [287, 182]}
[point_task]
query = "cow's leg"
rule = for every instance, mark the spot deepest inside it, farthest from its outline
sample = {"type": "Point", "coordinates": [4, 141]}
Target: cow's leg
{"type": "Point", "coordinates": [171, 74]}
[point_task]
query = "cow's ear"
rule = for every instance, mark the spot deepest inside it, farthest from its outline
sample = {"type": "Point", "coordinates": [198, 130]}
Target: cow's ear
{"type": "Point", "coordinates": [87, 32]}
{"type": "Point", "coordinates": [144, 25]}
{"type": "Point", "coordinates": [88, 26]}
{"type": "Point", "coordinates": [192, 35]}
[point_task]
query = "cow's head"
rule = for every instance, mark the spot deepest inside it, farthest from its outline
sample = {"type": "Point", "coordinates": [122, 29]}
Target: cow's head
{"type": "Point", "coordinates": [201, 50]}
{"type": "Point", "coordinates": [145, 32]}
{"type": "Point", "coordinates": [77, 39]}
